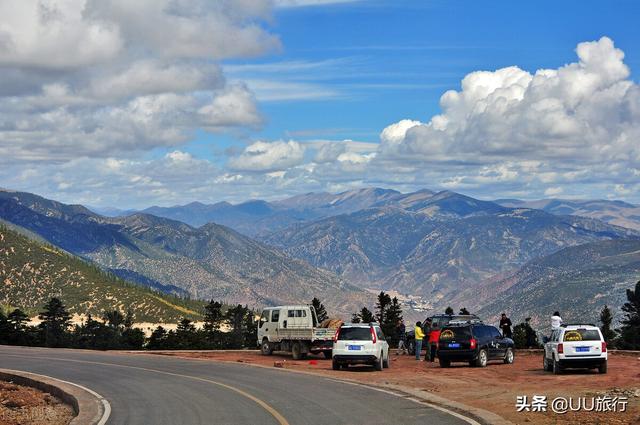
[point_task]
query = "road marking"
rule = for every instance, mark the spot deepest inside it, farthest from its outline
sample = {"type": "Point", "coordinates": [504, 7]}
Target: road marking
{"type": "Point", "coordinates": [105, 403]}
{"type": "Point", "coordinates": [273, 412]}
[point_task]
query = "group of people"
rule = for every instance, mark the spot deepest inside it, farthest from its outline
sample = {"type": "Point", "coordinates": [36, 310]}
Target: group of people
{"type": "Point", "coordinates": [434, 335]}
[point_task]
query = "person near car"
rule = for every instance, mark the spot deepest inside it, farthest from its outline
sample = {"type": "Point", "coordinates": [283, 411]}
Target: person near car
{"type": "Point", "coordinates": [419, 336]}
{"type": "Point", "coordinates": [505, 325]}
{"type": "Point", "coordinates": [556, 321]}
{"type": "Point", "coordinates": [432, 349]}
{"type": "Point", "coordinates": [401, 333]}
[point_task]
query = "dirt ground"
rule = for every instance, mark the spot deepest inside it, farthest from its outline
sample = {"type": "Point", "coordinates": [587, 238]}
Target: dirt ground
{"type": "Point", "coordinates": [494, 388]}
{"type": "Point", "coordinates": [27, 406]}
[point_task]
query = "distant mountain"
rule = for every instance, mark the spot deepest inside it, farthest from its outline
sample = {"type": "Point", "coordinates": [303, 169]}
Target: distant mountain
{"type": "Point", "coordinates": [577, 281]}
{"type": "Point", "coordinates": [614, 212]}
{"type": "Point", "coordinates": [458, 244]}
{"type": "Point", "coordinates": [32, 273]}
{"type": "Point", "coordinates": [209, 262]}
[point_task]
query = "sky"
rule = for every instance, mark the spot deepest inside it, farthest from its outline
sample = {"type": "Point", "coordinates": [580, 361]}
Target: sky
{"type": "Point", "coordinates": [162, 102]}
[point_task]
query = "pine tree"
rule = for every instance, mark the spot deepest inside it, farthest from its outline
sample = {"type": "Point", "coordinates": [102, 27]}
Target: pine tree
{"type": "Point", "coordinates": [157, 339]}
{"type": "Point", "coordinates": [384, 300]}
{"type": "Point", "coordinates": [236, 320]}
{"type": "Point", "coordinates": [366, 316]}
{"type": "Point", "coordinates": [630, 330]}
{"type": "Point", "coordinates": [606, 317]}
{"type": "Point", "coordinates": [321, 312]}
{"type": "Point", "coordinates": [355, 318]}
{"type": "Point", "coordinates": [113, 318]}
{"type": "Point", "coordinates": [18, 329]}
{"type": "Point", "coordinates": [392, 317]}
{"type": "Point", "coordinates": [449, 310]}
{"type": "Point", "coordinates": [55, 323]}
{"type": "Point", "coordinates": [250, 329]}
{"type": "Point", "coordinates": [5, 328]}
{"type": "Point", "coordinates": [213, 320]}
{"type": "Point", "coordinates": [186, 334]}
{"type": "Point", "coordinates": [464, 311]}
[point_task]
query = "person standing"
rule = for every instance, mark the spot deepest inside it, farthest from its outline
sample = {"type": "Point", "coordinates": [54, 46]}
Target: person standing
{"type": "Point", "coordinates": [419, 336]}
{"type": "Point", "coordinates": [401, 333]}
{"type": "Point", "coordinates": [505, 325]}
{"type": "Point", "coordinates": [556, 321]}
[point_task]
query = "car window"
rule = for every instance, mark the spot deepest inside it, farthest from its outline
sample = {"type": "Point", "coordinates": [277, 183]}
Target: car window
{"type": "Point", "coordinates": [264, 317]}
{"type": "Point", "coordinates": [355, 334]}
{"type": "Point", "coordinates": [275, 315]}
{"type": "Point", "coordinates": [380, 334]}
{"type": "Point", "coordinates": [571, 335]}
{"type": "Point", "coordinates": [462, 332]}
{"type": "Point", "coordinates": [494, 332]}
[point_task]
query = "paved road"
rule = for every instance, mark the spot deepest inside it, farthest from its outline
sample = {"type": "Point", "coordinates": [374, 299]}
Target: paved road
{"type": "Point", "coordinates": [146, 389]}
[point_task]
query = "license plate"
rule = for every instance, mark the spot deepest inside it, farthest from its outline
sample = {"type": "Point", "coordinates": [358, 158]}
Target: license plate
{"type": "Point", "coordinates": [355, 347]}
{"type": "Point", "coordinates": [582, 349]}
{"type": "Point", "coordinates": [455, 345]}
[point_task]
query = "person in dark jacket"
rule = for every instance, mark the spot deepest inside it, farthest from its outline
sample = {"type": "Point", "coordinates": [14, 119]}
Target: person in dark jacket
{"type": "Point", "coordinates": [505, 325]}
{"type": "Point", "coordinates": [401, 334]}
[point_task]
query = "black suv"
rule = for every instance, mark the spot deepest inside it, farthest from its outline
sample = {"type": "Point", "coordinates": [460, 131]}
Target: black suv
{"type": "Point", "coordinates": [475, 343]}
{"type": "Point", "coordinates": [438, 321]}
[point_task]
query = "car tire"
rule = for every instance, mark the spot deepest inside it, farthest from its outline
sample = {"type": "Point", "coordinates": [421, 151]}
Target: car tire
{"type": "Point", "coordinates": [296, 351]}
{"type": "Point", "coordinates": [509, 356]}
{"type": "Point", "coordinates": [266, 348]}
{"type": "Point", "coordinates": [444, 362]}
{"type": "Point", "coordinates": [335, 365]}
{"type": "Point", "coordinates": [386, 363]}
{"type": "Point", "coordinates": [378, 364]}
{"type": "Point", "coordinates": [327, 354]}
{"type": "Point", "coordinates": [557, 369]}
{"type": "Point", "coordinates": [603, 367]}
{"type": "Point", "coordinates": [482, 359]}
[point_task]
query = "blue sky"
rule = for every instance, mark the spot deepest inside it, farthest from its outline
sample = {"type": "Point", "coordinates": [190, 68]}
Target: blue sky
{"type": "Point", "coordinates": [272, 101]}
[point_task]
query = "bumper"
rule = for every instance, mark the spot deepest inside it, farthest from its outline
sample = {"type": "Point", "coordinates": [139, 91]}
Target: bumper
{"type": "Point", "coordinates": [582, 362]}
{"type": "Point", "coordinates": [457, 355]}
{"type": "Point", "coordinates": [354, 358]}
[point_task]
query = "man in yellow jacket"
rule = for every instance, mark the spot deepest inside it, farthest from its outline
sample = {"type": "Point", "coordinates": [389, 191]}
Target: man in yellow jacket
{"type": "Point", "coordinates": [419, 335]}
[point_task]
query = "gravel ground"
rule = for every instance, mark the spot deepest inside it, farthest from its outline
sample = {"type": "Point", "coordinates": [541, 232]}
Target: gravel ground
{"type": "Point", "coordinates": [494, 388]}
{"type": "Point", "coordinates": [28, 406]}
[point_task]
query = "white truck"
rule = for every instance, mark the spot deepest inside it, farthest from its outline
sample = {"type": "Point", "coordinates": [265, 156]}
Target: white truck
{"type": "Point", "coordinates": [294, 328]}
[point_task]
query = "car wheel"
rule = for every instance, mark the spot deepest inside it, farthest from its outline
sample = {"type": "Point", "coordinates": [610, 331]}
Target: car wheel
{"type": "Point", "coordinates": [482, 359]}
{"type": "Point", "coordinates": [444, 362]}
{"type": "Point", "coordinates": [386, 362]}
{"type": "Point", "coordinates": [265, 348]}
{"type": "Point", "coordinates": [296, 351]}
{"type": "Point", "coordinates": [378, 364]}
{"type": "Point", "coordinates": [603, 367]}
{"type": "Point", "coordinates": [335, 365]}
{"type": "Point", "coordinates": [327, 354]}
{"type": "Point", "coordinates": [508, 356]}
{"type": "Point", "coordinates": [557, 369]}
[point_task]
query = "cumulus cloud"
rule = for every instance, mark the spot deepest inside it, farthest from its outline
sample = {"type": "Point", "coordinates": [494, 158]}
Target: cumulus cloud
{"type": "Point", "coordinates": [88, 77]}
{"type": "Point", "coordinates": [269, 156]}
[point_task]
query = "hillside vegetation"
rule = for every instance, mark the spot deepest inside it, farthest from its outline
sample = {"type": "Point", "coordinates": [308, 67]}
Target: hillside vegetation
{"type": "Point", "coordinates": [31, 273]}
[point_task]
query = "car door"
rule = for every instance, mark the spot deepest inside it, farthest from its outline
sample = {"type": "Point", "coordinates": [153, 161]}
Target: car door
{"type": "Point", "coordinates": [263, 325]}
{"type": "Point", "coordinates": [497, 343]}
{"type": "Point", "coordinates": [550, 347]}
{"type": "Point", "coordinates": [382, 340]}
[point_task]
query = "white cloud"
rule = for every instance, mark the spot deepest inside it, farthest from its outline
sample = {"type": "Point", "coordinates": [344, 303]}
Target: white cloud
{"type": "Point", "coordinates": [269, 156]}
{"type": "Point", "coordinates": [553, 191]}
{"type": "Point", "coordinates": [302, 3]}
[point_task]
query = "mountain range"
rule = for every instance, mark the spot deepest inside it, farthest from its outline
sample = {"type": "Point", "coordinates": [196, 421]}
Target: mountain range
{"type": "Point", "coordinates": [208, 262]}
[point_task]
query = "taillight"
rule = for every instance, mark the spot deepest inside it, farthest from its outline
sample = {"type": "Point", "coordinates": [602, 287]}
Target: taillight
{"type": "Point", "coordinates": [473, 343]}
{"type": "Point", "coordinates": [373, 335]}
{"type": "Point", "coordinates": [560, 348]}
{"type": "Point", "coordinates": [604, 347]}
{"type": "Point", "coordinates": [335, 336]}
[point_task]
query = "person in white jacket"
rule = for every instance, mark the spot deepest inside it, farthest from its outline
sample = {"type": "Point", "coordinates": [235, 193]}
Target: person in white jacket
{"type": "Point", "coordinates": [556, 321]}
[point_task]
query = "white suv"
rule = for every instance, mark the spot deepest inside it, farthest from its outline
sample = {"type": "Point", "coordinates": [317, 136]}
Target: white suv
{"type": "Point", "coordinates": [575, 346]}
{"type": "Point", "coordinates": [360, 343]}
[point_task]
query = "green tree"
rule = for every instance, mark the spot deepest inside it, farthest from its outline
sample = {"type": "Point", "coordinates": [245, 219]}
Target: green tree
{"type": "Point", "coordinates": [55, 323]}
{"type": "Point", "coordinates": [250, 329]}
{"type": "Point", "coordinates": [18, 328]}
{"type": "Point", "coordinates": [449, 310]}
{"type": "Point", "coordinates": [366, 316]}
{"type": "Point", "coordinates": [630, 331]}
{"type": "Point", "coordinates": [113, 318]}
{"type": "Point", "coordinates": [213, 320]}
{"type": "Point", "coordinates": [236, 319]}
{"type": "Point", "coordinates": [393, 316]}
{"type": "Point", "coordinates": [606, 318]}
{"type": "Point", "coordinates": [186, 335]}
{"type": "Point", "coordinates": [355, 318]}
{"type": "Point", "coordinates": [157, 339]}
{"type": "Point", "coordinates": [321, 312]}
{"type": "Point", "coordinates": [132, 338]}
{"type": "Point", "coordinates": [384, 301]}
{"type": "Point", "coordinates": [520, 335]}
{"type": "Point", "coordinates": [5, 328]}
{"type": "Point", "coordinates": [464, 311]}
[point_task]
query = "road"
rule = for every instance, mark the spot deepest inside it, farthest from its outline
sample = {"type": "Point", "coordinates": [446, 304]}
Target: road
{"type": "Point", "coordinates": [147, 389]}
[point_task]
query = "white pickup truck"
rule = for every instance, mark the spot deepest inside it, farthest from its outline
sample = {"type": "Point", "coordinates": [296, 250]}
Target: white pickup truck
{"type": "Point", "coordinates": [293, 328]}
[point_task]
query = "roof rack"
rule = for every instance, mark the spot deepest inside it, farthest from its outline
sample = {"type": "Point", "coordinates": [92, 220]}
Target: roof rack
{"type": "Point", "coordinates": [464, 322]}
{"type": "Point", "coordinates": [564, 325]}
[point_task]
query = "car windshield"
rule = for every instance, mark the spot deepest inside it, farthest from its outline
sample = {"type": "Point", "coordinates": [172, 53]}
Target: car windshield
{"type": "Point", "coordinates": [355, 334]}
{"type": "Point", "coordinates": [581, 335]}
{"type": "Point", "coordinates": [455, 333]}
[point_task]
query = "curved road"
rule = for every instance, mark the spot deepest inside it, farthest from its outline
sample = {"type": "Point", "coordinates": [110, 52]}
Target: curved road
{"type": "Point", "coordinates": [146, 389]}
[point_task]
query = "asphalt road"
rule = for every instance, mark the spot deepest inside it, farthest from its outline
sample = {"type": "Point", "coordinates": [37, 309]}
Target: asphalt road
{"type": "Point", "coordinates": [147, 389]}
